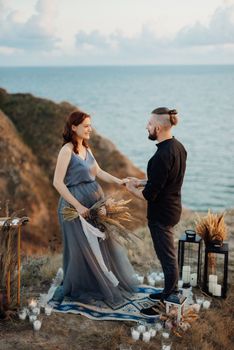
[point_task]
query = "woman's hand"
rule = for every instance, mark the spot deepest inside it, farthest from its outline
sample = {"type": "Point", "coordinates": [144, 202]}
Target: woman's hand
{"type": "Point", "coordinates": [124, 181]}
{"type": "Point", "coordinates": [83, 211]}
{"type": "Point", "coordinates": [102, 211]}
{"type": "Point", "coordinates": [134, 181]}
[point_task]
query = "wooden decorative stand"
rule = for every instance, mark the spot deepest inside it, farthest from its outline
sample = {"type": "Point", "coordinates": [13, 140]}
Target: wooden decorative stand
{"type": "Point", "coordinates": [13, 224]}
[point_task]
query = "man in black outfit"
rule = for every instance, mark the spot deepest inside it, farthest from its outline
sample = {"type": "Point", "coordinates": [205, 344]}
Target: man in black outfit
{"type": "Point", "coordinates": [162, 190]}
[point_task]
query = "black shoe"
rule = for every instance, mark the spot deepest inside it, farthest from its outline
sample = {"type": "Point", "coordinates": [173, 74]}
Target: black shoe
{"type": "Point", "coordinates": [156, 296]}
{"type": "Point", "coordinates": [175, 298]}
{"type": "Point", "coordinates": [150, 312]}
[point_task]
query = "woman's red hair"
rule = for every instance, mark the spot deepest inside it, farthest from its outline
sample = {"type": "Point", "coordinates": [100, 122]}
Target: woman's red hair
{"type": "Point", "coordinates": [75, 118]}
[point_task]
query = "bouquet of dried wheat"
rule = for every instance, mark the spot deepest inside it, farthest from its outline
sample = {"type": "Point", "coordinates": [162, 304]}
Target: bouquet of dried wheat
{"type": "Point", "coordinates": [107, 215]}
{"type": "Point", "coordinates": [212, 227]}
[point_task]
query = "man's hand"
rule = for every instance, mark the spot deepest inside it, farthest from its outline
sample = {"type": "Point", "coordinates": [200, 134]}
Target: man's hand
{"type": "Point", "coordinates": [124, 181]}
{"type": "Point", "coordinates": [137, 182]}
{"type": "Point", "coordinates": [131, 185]}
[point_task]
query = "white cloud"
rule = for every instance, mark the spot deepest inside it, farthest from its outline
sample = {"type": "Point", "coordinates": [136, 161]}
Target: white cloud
{"type": "Point", "coordinates": [146, 47]}
{"type": "Point", "coordinates": [37, 33]}
{"type": "Point", "coordinates": [220, 30]}
{"type": "Point", "coordinates": [36, 40]}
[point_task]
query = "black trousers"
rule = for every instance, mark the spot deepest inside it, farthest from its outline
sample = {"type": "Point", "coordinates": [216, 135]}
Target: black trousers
{"type": "Point", "coordinates": [163, 239]}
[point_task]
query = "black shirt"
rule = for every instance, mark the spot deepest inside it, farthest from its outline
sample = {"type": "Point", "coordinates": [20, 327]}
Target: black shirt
{"type": "Point", "coordinates": [165, 173]}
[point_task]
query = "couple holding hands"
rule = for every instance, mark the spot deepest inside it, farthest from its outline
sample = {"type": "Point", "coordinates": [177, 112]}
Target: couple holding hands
{"type": "Point", "coordinates": [100, 269]}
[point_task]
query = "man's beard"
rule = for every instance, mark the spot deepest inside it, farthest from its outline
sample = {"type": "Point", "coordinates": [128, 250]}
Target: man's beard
{"type": "Point", "coordinates": [153, 136]}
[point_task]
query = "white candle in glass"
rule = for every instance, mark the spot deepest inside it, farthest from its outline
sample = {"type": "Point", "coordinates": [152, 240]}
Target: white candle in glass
{"type": "Point", "coordinates": [211, 287]}
{"type": "Point", "coordinates": [180, 283]}
{"type": "Point", "coordinates": [32, 318]}
{"type": "Point", "coordinates": [22, 314]}
{"type": "Point", "coordinates": [48, 310]}
{"type": "Point", "coordinates": [135, 334]}
{"type": "Point", "coordinates": [217, 290]}
{"type": "Point", "coordinates": [186, 270]}
{"type": "Point", "coordinates": [140, 279]}
{"type": "Point", "coordinates": [141, 328]}
{"type": "Point", "coordinates": [158, 326]}
{"type": "Point", "coordinates": [152, 332]}
{"type": "Point", "coordinates": [196, 307]}
{"type": "Point", "coordinates": [213, 279]}
{"type": "Point", "coordinates": [166, 347]}
{"type": "Point", "coordinates": [36, 311]}
{"type": "Point", "coordinates": [37, 325]}
{"type": "Point", "coordinates": [206, 304]}
{"type": "Point", "coordinates": [146, 337]}
{"type": "Point", "coordinates": [193, 279]}
{"type": "Point", "coordinates": [151, 281]}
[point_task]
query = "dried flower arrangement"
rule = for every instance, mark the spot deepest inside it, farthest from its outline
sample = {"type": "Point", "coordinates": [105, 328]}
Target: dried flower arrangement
{"type": "Point", "coordinates": [109, 220]}
{"type": "Point", "coordinates": [212, 228]}
{"type": "Point", "coordinates": [170, 319]}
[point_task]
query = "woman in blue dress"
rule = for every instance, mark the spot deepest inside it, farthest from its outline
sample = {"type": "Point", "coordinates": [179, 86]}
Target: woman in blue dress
{"type": "Point", "coordinates": [94, 267]}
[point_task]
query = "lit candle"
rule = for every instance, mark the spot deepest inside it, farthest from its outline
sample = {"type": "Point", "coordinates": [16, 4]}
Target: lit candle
{"type": "Point", "coordinates": [135, 334]}
{"type": "Point", "coordinates": [146, 337]}
{"type": "Point", "coordinates": [217, 290]}
{"type": "Point", "coordinates": [186, 270]}
{"type": "Point", "coordinates": [193, 279]}
{"type": "Point", "coordinates": [37, 325]}
{"type": "Point", "coordinates": [206, 304]}
{"type": "Point", "coordinates": [48, 310]}
{"type": "Point", "coordinates": [32, 303]}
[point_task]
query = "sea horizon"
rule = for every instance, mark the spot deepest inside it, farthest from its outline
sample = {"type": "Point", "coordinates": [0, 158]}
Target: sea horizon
{"type": "Point", "coordinates": [124, 96]}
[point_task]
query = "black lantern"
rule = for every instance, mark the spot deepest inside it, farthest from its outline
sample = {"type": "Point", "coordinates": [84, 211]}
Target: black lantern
{"type": "Point", "coordinates": [215, 278]}
{"type": "Point", "coordinates": [189, 258]}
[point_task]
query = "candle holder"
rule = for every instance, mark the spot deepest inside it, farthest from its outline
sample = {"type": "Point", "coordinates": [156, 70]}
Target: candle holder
{"type": "Point", "coordinates": [189, 258]}
{"type": "Point", "coordinates": [166, 341]}
{"type": "Point", "coordinates": [48, 310]}
{"type": "Point", "coordinates": [215, 278]}
{"type": "Point", "coordinates": [135, 333]}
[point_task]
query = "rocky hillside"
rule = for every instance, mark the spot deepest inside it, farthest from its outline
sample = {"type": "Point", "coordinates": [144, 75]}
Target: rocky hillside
{"type": "Point", "coordinates": [31, 131]}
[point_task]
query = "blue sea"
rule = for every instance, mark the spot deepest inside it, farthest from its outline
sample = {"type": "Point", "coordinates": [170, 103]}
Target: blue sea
{"type": "Point", "coordinates": [120, 100]}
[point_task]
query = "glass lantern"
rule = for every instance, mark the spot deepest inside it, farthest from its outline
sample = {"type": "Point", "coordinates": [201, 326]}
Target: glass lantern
{"type": "Point", "coordinates": [215, 278]}
{"type": "Point", "coordinates": [189, 258]}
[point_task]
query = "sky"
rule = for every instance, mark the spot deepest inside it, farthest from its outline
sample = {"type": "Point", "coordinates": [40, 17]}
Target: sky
{"type": "Point", "coordinates": [116, 32]}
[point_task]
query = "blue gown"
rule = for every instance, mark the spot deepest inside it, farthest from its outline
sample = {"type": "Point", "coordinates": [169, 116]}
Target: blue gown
{"type": "Point", "coordinates": [103, 275]}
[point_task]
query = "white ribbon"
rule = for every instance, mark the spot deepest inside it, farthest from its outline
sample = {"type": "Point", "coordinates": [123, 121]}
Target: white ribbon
{"type": "Point", "coordinates": [92, 233]}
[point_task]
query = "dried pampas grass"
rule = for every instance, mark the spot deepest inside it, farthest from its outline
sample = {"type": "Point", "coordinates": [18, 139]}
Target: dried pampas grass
{"type": "Point", "coordinates": [211, 227]}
